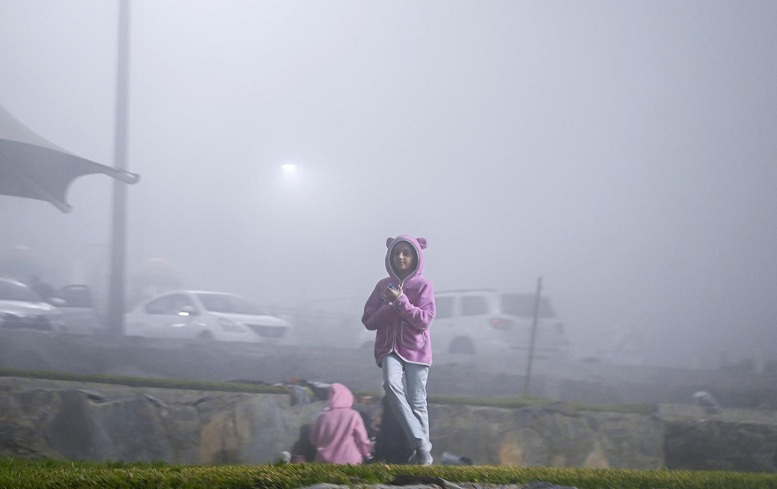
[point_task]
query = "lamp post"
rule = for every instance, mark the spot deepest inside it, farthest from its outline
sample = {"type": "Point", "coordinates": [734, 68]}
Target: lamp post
{"type": "Point", "coordinates": [119, 228]}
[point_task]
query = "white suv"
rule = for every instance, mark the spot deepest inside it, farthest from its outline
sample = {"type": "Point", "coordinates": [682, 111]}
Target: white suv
{"type": "Point", "coordinates": [484, 321]}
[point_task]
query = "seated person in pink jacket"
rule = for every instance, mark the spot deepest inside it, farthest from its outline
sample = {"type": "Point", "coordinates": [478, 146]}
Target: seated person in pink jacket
{"type": "Point", "coordinates": [339, 434]}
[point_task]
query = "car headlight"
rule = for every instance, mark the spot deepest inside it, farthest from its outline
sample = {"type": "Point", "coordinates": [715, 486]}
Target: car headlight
{"type": "Point", "coordinates": [230, 326]}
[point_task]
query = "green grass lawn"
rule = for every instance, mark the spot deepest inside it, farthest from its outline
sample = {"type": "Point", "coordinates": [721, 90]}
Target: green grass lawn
{"type": "Point", "coordinates": [18, 473]}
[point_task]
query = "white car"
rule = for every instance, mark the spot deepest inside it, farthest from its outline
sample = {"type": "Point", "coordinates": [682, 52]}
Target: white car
{"type": "Point", "coordinates": [196, 314]}
{"type": "Point", "coordinates": [20, 307]}
{"type": "Point", "coordinates": [485, 321]}
{"type": "Point", "coordinates": [75, 304]}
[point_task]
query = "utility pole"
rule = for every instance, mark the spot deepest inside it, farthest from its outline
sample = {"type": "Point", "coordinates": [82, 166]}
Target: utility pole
{"type": "Point", "coordinates": [116, 297]}
{"type": "Point", "coordinates": [533, 335]}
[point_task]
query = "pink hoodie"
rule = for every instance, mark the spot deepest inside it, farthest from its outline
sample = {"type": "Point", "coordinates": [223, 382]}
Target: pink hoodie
{"type": "Point", "coordinates": [402, 326]}
{"type": "Point", "coordinates": [339, 434]}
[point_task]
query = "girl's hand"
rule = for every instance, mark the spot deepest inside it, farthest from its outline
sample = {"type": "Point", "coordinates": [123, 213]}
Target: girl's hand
{"type": "Point", "coordinates": [392, 292]}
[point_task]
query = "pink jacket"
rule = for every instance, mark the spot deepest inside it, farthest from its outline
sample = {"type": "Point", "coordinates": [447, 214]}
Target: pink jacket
{"type": "Point", "coordinates": [339, 434]}
{"type": "Point", "coordinates": [402, 326]}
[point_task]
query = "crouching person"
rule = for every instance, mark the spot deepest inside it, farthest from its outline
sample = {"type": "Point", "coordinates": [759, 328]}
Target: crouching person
{"type": "Point", "coordinates": [339, 434]}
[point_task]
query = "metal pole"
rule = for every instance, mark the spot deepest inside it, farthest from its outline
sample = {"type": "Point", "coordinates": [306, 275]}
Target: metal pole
{"type": "Point", "coordinates": [119, 230]}
{"type": "Point", "coordinates": [533, 335]}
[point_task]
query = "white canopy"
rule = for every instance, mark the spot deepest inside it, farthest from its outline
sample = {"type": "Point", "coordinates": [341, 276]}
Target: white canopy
{"type": "Point", "coordinates": [35, 168]}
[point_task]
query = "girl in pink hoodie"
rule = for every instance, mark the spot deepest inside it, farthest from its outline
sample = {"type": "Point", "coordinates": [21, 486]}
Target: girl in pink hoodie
{"type": "Point", "coordinates": [339, 434]}
{"type": "Point", "coordinates": [400, 310]}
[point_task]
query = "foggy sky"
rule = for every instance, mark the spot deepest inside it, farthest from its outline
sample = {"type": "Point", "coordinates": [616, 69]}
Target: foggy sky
{"type": "Point", "coordinates": [625, 152]}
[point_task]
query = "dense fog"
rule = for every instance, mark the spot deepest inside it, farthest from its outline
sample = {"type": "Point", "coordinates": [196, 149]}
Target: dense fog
{"type": "Point", "coordinates": [625, 152]}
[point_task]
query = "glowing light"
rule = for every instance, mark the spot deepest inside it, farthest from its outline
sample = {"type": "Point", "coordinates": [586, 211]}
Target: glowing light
{"type": "Point", "coordinates": [289, 168]}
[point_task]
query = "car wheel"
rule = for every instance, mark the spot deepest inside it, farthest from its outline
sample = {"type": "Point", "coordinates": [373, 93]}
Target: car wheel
{"type": "Point", "coordinates": [462, 345]}
{"type": "Point", "coordinates": [205, 335]}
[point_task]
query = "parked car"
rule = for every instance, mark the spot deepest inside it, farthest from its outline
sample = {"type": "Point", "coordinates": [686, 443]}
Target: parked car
{"type": "Point", "coordinates": [20, 307]}
{"type": "Point", "coordinates": [76, 306]}
{"type": "Point", "coordinates": [485, 321]}
{"type": "Point", "coordinates": [206, 315]}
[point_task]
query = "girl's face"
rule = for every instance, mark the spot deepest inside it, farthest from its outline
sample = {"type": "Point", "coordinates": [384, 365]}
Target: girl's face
{"type": "Point", "coordinates": [403, 259]}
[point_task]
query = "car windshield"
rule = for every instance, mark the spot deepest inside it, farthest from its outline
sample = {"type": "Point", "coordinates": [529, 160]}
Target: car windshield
{"type": "Point", "coordinates": [522, 305]}
{"type": "Point", "coordinates": [229, 304]}
{"type": "Point", "coordinates": [14, 291]}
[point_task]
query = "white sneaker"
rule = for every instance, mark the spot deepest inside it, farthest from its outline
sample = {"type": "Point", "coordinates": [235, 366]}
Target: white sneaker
{"type": "Point", "coordinates": [421, 457]}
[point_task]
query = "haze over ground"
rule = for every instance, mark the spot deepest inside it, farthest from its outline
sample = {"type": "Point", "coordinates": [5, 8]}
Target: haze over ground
{"type": "Point", "coordinates": [623, 151]}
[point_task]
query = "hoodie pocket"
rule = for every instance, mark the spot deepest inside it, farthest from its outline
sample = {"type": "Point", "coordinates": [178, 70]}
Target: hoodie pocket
{"type": "Point", "coordinates": [411, 337]}
{"type": "Point", "coordinates": [382, 339]}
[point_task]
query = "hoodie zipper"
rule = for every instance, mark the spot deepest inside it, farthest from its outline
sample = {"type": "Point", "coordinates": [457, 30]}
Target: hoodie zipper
{"type": "Point", "coordinates": [397, 336]}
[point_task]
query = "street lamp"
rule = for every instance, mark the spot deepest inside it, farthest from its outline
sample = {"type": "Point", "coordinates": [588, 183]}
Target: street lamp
{"type": "Point", "coordinates": [117, 288]}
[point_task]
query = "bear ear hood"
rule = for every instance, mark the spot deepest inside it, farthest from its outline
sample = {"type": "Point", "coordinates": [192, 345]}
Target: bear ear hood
{"type": "Point", "coordinates": [419, 244]}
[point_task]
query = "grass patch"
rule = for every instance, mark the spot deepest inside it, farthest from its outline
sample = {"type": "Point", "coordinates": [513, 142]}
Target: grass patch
{"type": "Point", "coordinates": [22, 474]}
{"type": "Point", "coordinates": [200, 385]}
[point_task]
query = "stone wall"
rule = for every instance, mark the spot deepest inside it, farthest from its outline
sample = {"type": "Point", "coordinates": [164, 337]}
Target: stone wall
{"type": "Point", "coordinates": [84, 421]}
{"type": "Point", "coordinates": [548, 437]}
{"type": "Point", "coordinates": [101, 422]}
{"type": "Point", "coordinates": [733, 439]}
